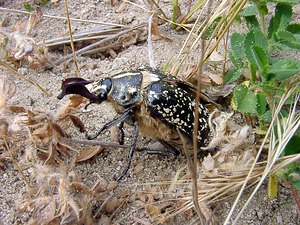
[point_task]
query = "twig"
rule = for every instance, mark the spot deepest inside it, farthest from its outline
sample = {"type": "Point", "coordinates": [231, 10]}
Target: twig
{"type": "Point", "coordinates": [62, 18]}
{"type": "Point", "coordinates": [15, 162]}
{"type": "Point", "coordinates": [25, 78]}
{"type": "Point", "coordinates": [96, 44]}
{"type": "Point", "coordinates": [149, 44]}
{"type": "Point", "coordinates": [93, 142]}
{"type": "Point", "coordinates": [71, 38]}
{"type": "Point", "coordinates": [193, 171]}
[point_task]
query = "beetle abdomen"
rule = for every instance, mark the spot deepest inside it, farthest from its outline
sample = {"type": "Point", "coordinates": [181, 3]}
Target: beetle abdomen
{"type": "Point", "coordinates": [175, 107]}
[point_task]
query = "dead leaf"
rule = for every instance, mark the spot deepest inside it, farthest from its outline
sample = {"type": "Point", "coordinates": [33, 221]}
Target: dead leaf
{"type": "Point", "coordinates": [121, 7]}
{"type": "Point", "coordinates": [34, 19]}
{"type": "Point", "coordinates": [217, 79]}
{"type": "Point", "coordinates": [88, 153]}
{"type": "Point", "coordinates": [208, 163]}
{"type": "Point", "coordinates": [47, 214]}
{"type": "Point", "coordinates": [153, 210]}
{"type": "Point", "coordinates": [81, 188]}
{"type": "Point", "coordinates": [17, 109]}
{"type": "Point", "coordinates": [112, 204]}
{"type": "Point", "coordinates": [77, 123]}
{"type": "Point", "coordinates": [104, 220]}
{"type": "Point", "coordinates": [59, 130]}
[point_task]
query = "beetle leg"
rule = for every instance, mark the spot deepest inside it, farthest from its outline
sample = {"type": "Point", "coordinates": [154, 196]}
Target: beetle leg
{"type": "Point", "coordinates": [119, 119]}
{"type": "Point", "coordinates": [121, 133]}
{"type": "Point", "coordinates": [131, 151]}
{"type": "Point", "coordinates": [170, 150]}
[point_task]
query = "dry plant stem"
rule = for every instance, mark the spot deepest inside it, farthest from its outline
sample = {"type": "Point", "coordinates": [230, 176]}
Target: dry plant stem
{"type": "Point", "coordinates": [61, 17]}
{"type": "Point", "coordinates": [159, 8]}
{"type": "Point", "coordinates": [193, 170]}
{"type": "Point", "coordinates": [15, 162]}
{"type": "Point", "coordinates": [176, 66]}
{"type": "Point", "coordinates": [94, 45]}
{"type": "Point", "coordinates": [25, 78]}
{"type": "Point", "coordinates": [268, 167]}
{"type": "Point", "coordinates": [93, 142]}
{"type": "Point", "coordinates": [225, 29]}
{"type": "Point", "coordinates": [71, 39]}
{"type": "Point", "coordinates": [92, 34]}
{"type": "Point", "coordinates": [149, 44]}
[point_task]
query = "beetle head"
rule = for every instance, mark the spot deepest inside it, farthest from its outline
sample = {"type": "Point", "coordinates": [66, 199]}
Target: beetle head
{"type": "Point", "coordinates": [100, 89]}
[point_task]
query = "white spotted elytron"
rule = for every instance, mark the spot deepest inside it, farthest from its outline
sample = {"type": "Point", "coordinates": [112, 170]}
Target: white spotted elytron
{"type": "Point", "coordinates": [157, 105]}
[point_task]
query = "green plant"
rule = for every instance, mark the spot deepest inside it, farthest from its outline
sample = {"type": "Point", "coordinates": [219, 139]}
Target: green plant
{"type": "Point", "coordinates": [263, 77]}
{"type": "Point", "coordinates": [252, 55]}
{"type": "Point", "coordinates": [31, 5]}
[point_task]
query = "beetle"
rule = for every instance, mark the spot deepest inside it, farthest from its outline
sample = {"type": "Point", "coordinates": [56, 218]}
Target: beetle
{"type": "Point", "coordinates": [155, 104]}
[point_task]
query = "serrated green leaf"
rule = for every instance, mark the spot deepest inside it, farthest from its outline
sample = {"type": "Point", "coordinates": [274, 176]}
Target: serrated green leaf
{"type": "Point", "coordinates": [281, 19]}
{"type": "Point", "coordinates": [244, 99]}
{"type": "Point", "coordinates": [238, 62]}
{"type": "Point", "coordinates": [252, 22]}
{"type": "Point", "coordinates": [266, 117]}
{"type": "Point", "coordinates": [256, 37]}
{"type": "Point", "coordinates": [237, 44]}
{"type": "Point", "coordinates": [261, 104]}
{"type": "Point", "coordinates": [294, 28]}
{"type": "Point", "coordinates": [258, 57]}
{"type": "Point", "coordinates": [288, 39]}
{"type": "Point", "coordinates": [249, 11]}
{"type": "Point", "coordinates": [232, 75]}
{"type": "Point", "coordinates": [287, 1]}
{"type": "Point", "coordinates": [284, 69]}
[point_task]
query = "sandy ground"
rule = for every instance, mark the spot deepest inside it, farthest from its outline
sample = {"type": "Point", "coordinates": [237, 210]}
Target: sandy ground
{"type": "Point", "coordinates": [146, 168]}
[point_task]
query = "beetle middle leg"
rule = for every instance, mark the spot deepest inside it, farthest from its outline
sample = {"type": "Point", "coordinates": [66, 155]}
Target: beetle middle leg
{"type": "Point", "coordinates": [131, 151]}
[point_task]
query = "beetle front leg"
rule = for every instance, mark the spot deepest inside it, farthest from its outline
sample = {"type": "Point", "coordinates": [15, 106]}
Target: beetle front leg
{"type": "Point", "coordinates": [121, 118]}
{"type": "Point", "coordinates": [131, 151]}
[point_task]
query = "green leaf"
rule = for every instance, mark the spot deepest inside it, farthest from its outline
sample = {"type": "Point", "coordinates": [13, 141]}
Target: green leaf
{"type": "Point", "coordinates": [288, 39]}
{"type": "Point", "coordinates": [28, 7]}
{"type": "Point", "coordinates": [284, 69]}
{"type": "Point", "coordinates": [232, 75]}
{"type": "Point", "coordinates": [258, 57]}
{"type": "Point", "coordinates": [297, 185]}
{"type": "Point", "coordinates": [238, 62]}
{"type": "Point", "coordinates": [256, 37]}
{"type": "Point", "coordinates": [294, 28]}
{"type": "Point", "coordinates": [287, 1]}
{"type": "Point", "coordinates": [252, 22]}
{"type": "Point", "coordinates": [244, 99]}
{"type": "Point", "coordinates": [237, 45]}
{"type": "Point", "coordinates": [267, 117]}
{"type": "Point", "coordinates": [293, 146]}
{"type": "Point", "coordinates": [261, 104]}
{"type": "Point", "coordinates": [281, 19]}
{"type": "Point", "coordinates": [249, 11]}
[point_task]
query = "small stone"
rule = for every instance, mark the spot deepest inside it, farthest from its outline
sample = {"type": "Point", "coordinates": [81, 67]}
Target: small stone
{"type": "Point", "coordinates": [279, 219]}
{"type": "Point", "coordinates": [260, 214]}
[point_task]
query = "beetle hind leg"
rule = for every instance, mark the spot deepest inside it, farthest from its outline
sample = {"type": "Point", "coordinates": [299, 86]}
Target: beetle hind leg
{"type": "Point", "coordinates": [168, 151]}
